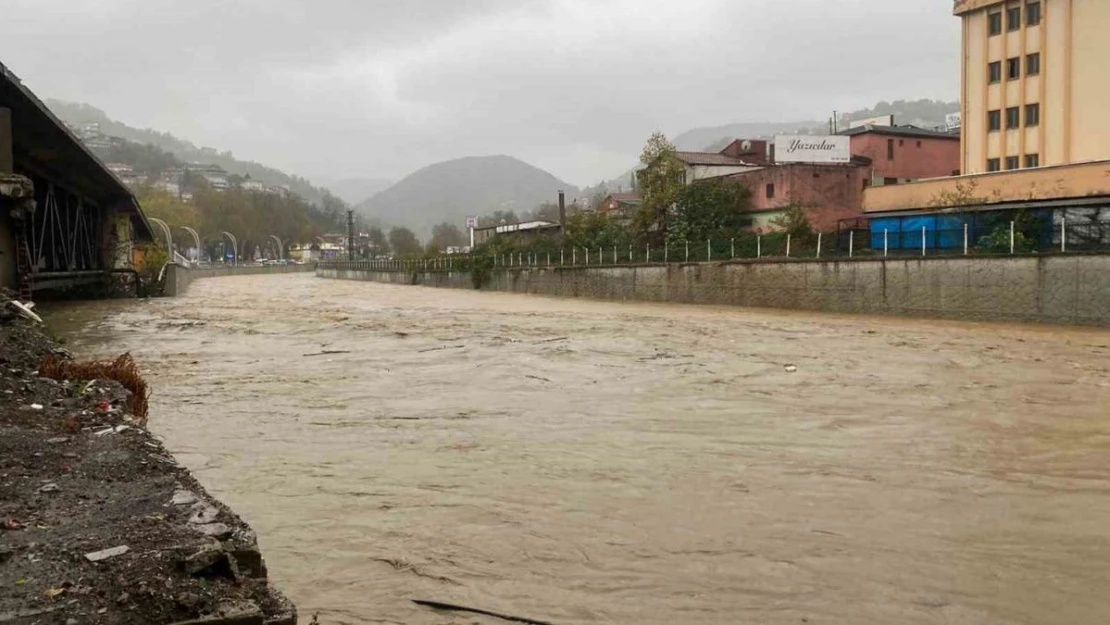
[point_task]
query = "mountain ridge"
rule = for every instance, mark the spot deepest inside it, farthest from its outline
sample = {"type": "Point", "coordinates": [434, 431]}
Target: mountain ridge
{"type": "Point", "coordinates": [78, 113]}
{"type": "Point", "coordinates": [472, 185]}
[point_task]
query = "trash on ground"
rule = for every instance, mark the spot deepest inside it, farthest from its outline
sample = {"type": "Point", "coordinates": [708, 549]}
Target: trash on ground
{"type": "Point", "coordinates": [105, 554]}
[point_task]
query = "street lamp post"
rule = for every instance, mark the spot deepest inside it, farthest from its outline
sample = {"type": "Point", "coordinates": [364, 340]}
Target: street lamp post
{"type": "Point", "coordinates": [234, 247]}
{"type": "Point", "coordinates": [196, 238]}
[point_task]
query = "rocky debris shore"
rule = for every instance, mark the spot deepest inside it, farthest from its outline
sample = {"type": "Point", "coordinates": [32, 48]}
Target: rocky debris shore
{"type": "Point", "coordinates": [98, 523]}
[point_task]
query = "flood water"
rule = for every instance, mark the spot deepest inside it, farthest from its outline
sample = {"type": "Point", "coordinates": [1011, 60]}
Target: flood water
{"type": "Point", "coordinates": [585, 462]}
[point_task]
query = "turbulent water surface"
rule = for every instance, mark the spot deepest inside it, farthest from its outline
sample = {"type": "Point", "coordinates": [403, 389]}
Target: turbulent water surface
{"type": "Point", "coordinates": [586, 462]}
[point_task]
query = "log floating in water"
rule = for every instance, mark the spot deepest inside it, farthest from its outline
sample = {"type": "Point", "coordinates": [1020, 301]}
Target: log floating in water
{"type": "Point", "coordinates": [439, 605]}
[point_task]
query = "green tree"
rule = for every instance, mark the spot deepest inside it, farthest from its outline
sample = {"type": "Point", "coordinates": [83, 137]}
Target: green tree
{"type": "Point", "coordinates": [659, 182]}
{"type": "Point", "coordinates": [548, 211]}
{"type": "Point", "coordinates": [795, 223]}
{"type": "Point", "coordinates": [709, 209]}
{"type": "Point", "coordinates": [378, 242]}
{"type": "Point", "coordinates": [404, 242]}
{"type": "Point", "coordinates": [445, 235]}
{"type": "Point", "coordinates": [596, 230]}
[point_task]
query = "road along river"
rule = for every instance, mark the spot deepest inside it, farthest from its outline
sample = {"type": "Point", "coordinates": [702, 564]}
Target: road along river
{"type": "Point", "coordinates": [584, 462]}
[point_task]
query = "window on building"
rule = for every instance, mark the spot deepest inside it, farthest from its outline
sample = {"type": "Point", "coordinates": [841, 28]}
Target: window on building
{"type": "Point", "coordinates": [918, 144]}
{"type": "Point", "coordinates": [994, 72]}
{"type": "Point", "coordinates": [770, 191]}
{"type": "Point", "coordinates": [994, 21]}
{"type": "Point", "coordinates": [1012, 162]}
{"type": "Point", "coordinates": [1032, 160]}
{"type": "Point", "coordinates": [1033, 14]}
{"type": "Point", "coordinates": [1013, 117]}
{"type": "Point", "coordinates": [994, 121]}
{"type": "Point", "coordinates": [1013, 19]}
{"type": "Point", "coordinates": [1033, 64]}
{"type": "Point", "coordinates": [890, 149]}
{"type": "Point", "coordinates": [889, 181]}
{"type": "Point", "coordinates": [1032, 114]}
{"type": "Point", "coordinates": [1013, 68]}
{"type": "Point", "coordinates": [994, 164]}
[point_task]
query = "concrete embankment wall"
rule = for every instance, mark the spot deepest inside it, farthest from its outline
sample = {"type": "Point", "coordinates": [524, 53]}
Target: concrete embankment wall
{"type": "Point", "coordinates": [178, 278]}
{"type": "Point", "coordinates": [1061, 289]}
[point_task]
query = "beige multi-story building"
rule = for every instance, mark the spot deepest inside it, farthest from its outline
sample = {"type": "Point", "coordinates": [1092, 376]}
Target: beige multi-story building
{"type": "Point", "coordinates": [1035, 136]}
{"type": "Point", "coordinates": [1034, 88]}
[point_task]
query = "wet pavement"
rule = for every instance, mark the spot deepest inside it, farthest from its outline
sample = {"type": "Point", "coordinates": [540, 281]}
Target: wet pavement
{"type": "Point", "coordinates": [585, 462]}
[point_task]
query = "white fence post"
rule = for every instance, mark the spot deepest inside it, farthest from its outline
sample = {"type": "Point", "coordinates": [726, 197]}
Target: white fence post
{"type": "Point", "coordinates": [819, 244]}
{"type": "Point", "coordinates": [788, 246]}
{"type": "Point", "coordinates": [923, 240]}
{"type": "Point", "coordinates": [1063, 233]}
{"type": "Point", "coordinates": [886, 242]}
{"type": "Point", "coordinates": [587, 256]}
{"type": "Point", "coordinates": [648, 257]}
{"type": "Point", "coordinates": [759, 246]}
{"type": "Point", "coordinates": [709, 250]}
{"type": "Point", "coordinates": [966, 239]}
{"type": "Point", "coordinates": [687, 250]}
{"type": "Point", "coordinates": [732, 249]}
{"type": "Point", "coordinates": [851, 242]}
{"type": "Point", "coordinates": [1011, 237]}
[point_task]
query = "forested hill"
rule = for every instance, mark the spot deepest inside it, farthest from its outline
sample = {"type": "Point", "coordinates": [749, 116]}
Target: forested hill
{"type": "Point", "coordinates": [78, 114]}
{"type": "Point", "coordinates": [451, 190]}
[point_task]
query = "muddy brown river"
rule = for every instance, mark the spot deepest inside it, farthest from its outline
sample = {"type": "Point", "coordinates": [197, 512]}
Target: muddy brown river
{"type": "Point", "coordinates": [584, 462]}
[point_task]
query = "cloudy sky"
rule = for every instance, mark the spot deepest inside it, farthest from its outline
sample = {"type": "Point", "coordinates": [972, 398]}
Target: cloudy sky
{"type": "Point", "coordinates": [378, 88]}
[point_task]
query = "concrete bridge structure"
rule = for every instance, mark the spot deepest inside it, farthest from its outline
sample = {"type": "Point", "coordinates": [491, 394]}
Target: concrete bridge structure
{"type": "Point", "coordinates": [65, 219]}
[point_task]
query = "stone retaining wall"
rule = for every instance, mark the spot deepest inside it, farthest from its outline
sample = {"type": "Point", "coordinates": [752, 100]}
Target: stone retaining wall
{"type": "Point", "coordinates": [178, 277]}
{"type": "Point", "coordinates": [1061, 289]}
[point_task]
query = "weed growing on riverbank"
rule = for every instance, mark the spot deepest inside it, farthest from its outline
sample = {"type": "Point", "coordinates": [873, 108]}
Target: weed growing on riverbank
{"type": "Point", "coordinates": [122, 370]}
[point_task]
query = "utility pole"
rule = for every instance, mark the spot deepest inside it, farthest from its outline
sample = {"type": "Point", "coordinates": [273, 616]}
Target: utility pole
{"type": "Point", "coordinates": [350, 234]}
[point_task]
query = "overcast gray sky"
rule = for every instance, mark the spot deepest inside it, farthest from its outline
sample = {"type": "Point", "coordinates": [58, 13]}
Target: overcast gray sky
{"type": "Point", "coordinates": [379, 88]}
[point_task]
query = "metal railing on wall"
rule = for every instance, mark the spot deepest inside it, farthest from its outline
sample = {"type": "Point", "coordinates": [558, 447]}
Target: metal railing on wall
{"type": "Point", "coordinates": [872, 243]}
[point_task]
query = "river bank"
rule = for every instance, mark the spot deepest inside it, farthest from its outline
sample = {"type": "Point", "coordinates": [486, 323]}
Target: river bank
{"type": "Point", "coordinates": [98, 522]}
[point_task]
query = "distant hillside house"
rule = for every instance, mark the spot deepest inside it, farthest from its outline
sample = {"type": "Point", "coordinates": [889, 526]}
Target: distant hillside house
{"type": "Point", "coordinates": [620, 204]}
{"type": "Point", "coordinates": [737, 157]}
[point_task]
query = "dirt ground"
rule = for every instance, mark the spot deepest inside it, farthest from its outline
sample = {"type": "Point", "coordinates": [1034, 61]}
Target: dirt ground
{"type": "Point", "coordinates": [78, 476]}
{"type": "Point", "coordinates": [584, 462]}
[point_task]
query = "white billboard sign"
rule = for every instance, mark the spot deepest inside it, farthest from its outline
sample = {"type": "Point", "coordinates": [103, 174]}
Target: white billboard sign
{"type": "Point", "coordinates": [813, 149]}
{"type": "Point", "coordinates": [953, 121]}
{"type": "Point", "coordinates": [882, 120]}
{"type": "Point", "coordinates": [472, 222]}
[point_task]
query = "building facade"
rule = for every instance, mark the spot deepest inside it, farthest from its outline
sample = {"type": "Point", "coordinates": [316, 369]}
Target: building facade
{"type": "Point", "coordinates": [828, 193]}
{"type": "Point", "coordinates": [1035, 140]}
{"type": "Point", "coordinates": [1034, 89]}
{"type": "Point", "coordinates": [901, 154]}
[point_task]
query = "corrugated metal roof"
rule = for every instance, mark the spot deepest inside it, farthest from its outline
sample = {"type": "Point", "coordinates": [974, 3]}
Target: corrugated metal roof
{"type": "Point", "coordinates": [902, 131]}
{"type": "Point", "coordinates": [709, 158]}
